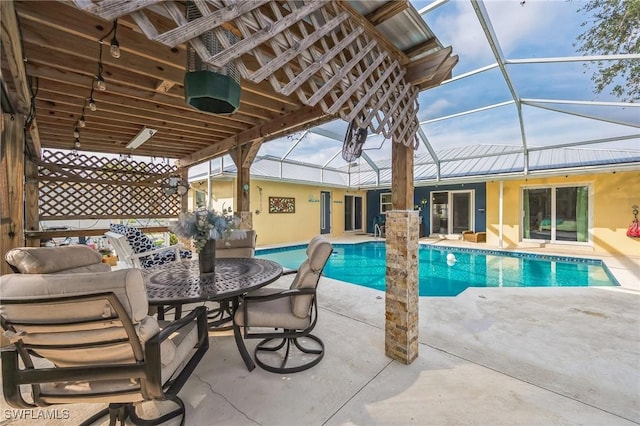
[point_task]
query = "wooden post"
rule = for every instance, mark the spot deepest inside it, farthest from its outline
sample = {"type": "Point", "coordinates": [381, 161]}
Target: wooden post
{"type": "Point", "coordinates": [402, 229]}
{"type": "Point", "coordinates": [32, 214]}
{"type": "Point", "coordinates": [243, 157]}
{"type": "Point", "coordinates": [184, 200]}
{"type": "Point", "coordinates": [12, 186]}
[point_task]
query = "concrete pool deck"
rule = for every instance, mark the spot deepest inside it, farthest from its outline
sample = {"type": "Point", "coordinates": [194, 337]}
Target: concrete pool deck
{"type": "Point", "coordinates": [490, 356]}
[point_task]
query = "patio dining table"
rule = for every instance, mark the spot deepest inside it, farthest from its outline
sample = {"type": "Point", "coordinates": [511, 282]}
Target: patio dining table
{"type": "Point", "coordinates": [180, 282]}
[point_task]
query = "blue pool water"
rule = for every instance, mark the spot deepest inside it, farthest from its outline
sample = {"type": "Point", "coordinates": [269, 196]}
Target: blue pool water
{"type": "Point", "coordinates": [364, 264]}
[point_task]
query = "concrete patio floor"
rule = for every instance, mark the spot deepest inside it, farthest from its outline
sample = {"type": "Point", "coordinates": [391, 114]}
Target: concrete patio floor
{"type": "Point", "coordinates": [490, 356]}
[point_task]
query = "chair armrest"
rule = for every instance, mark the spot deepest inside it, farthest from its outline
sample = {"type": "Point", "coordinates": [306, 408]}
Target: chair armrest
{"type": "Point", "coordinates": [175, 247]}
{"type": "Point", "coordinates": [152, 353]}
{"type": "Point", "coordinates": [289, 272]}
{"type": "Point", "coordinates": [178, 324]}
{"type": "Point", "coordinates": [284, 293]}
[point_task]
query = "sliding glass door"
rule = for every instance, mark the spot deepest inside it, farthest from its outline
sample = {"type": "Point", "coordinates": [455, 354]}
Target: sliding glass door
{"type": "Point", "coordinates": [553, 213]}
{"type": "Point", "coordinates": [451, 212]}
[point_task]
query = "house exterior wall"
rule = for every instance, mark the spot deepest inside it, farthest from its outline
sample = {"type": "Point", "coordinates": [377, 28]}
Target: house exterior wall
{"type": "Point", "coordinates": [613, 194]}
{"type": "Point", "coordinates": [277, 228]}
{"type": "Point", "coordinates": [424, 193]}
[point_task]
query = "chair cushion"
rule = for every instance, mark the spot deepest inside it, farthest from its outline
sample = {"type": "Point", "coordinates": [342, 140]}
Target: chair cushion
{"type": "Point", "coordinates": [237, 247]}
{"type": "Point", "coordinates": [138, 241]}
{"type": "Point", "coordinates": [272, 313]}
{"type": "Point", "coordinates": [174, 353]}
{"type": "Point", "coordinates": [47, 260]}
{"type": "Point", "coordinates": [118, 228]}
{"type": "Point", "coordinates": [163, 257]}
{"type": "Point", "coordinates": [235, 252]}
{"type": "Point", "coordinates": [308, 274]}
{"type": "Point", "coordinates": [127, 284]}
{"type": "Point", "coordinates": [183, 342]}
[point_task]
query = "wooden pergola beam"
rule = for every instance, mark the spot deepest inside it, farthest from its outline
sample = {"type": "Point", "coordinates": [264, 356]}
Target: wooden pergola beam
{"type": "Point", "coordinates": [307, 116]}
{"type": "Point", "coordinates": [11, 43]}
{"type": "Point", "coordinates": [424, 69]}
{"type": "Point", "coordinates": [386, 12]}
{"type": "Point", "coordinates": [420, 48]}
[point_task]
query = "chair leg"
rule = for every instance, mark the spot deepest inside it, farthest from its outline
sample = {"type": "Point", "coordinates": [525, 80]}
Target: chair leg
{"type": "Point", "coordinates": [220, 316]}
{"type": "Point", "coordinates": [180, 411]}
{"type": "Point", "coordinates": [265, 347]}
{"type": "Point", "coordinates": [122, 412]}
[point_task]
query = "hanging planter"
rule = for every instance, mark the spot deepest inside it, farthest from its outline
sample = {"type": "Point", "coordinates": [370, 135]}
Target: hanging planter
{"type": "Point", "coordinates": [208, 88]}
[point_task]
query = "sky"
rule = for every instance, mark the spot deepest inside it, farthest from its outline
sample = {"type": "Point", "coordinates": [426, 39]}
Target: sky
{"type": "Point", "coordinates": [534, 29]}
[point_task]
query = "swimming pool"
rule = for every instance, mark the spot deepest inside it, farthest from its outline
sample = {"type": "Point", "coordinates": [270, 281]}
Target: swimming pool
{"type": "Point", "coordinates": [364, 264]}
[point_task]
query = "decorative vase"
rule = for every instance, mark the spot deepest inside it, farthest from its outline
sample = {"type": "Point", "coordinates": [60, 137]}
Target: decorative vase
{"type": "Point", "coordinates": [207, 257]}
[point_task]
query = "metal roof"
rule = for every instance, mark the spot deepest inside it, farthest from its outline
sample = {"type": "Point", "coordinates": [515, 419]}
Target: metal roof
{"type": "Point", "coordinates": [478, 162]}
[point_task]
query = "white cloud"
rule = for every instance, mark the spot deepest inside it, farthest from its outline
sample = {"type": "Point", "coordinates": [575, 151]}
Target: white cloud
{"type": "Point", "coordinates": [434, 109]}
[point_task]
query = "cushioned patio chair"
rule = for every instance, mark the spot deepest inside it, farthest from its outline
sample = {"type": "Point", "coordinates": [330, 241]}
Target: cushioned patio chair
{"type": "Point", "coordinates": [292, 312]}
{"type": "Point", "coordinates": [237, 247]}
{"type": "Point", "coordinates": [138, 251]}
{"type": "Point", "coordinates": [87, 338]}
{"type": "Point", "coordinates": [220, 315]}
{"type": "Point", "coordinates": [55, 260]}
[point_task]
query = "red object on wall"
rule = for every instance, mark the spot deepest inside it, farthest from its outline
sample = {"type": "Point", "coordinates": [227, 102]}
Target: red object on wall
{"type": "Point", "coordinates": [634, 228]}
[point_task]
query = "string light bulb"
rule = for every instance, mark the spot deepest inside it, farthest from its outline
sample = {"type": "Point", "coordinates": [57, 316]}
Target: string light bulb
{"type": "Point", "coordinates": [115, 46]}
{"type": "Point", "coordinates": [76, 133]}
{"type": "Point", "coordinates": [76, 144]}
{"type": "Point", "coordinates": [82, 122]}
{"type": "Point", "coordinates": [92, 104]}
{"type": "Point", "coordinates": [100, 84]}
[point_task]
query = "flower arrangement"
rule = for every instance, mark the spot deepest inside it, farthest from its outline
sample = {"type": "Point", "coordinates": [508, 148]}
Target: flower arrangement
{"type": "Point", "coordinates": [203, 225]}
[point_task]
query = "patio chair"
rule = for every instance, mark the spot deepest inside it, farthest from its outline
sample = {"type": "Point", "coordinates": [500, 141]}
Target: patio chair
{"type": "Point", "coordinates": [87, 338]}
{"type": "Point", "coordinates": [220, 315]}
{"type": "Point", "coordinates": [240, 247]}
{"type": "Point", "coordinates": [292, 312]}
{"type": "Point", "coordinates": [138, 251]}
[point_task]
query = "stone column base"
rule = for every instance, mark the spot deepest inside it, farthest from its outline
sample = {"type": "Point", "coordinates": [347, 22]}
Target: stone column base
{"type": "Point", "coordinates": [401, 301]}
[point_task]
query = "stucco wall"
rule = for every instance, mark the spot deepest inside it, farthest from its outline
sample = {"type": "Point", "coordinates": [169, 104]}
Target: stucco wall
{"type": "Point", "coordinates": [613, 196]}
{"type": "Point", "coordinates": [304, 224]}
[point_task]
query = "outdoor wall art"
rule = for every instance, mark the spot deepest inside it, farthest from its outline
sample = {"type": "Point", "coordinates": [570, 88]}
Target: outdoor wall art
{"type": "Point", "coordinates": [282, 205]}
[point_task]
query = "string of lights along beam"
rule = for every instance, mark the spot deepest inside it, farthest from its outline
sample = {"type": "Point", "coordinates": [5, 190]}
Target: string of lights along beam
{"type": "Point", "coordinates": [97, 82]}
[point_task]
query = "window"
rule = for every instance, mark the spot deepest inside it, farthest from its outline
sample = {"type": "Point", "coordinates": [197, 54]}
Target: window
{"type": "Point", "coordinates": [556, 213]}
{"type": "Point", "coordinates": [200, 199]}
{"type": "Point", "coordinates": [385, 202]}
